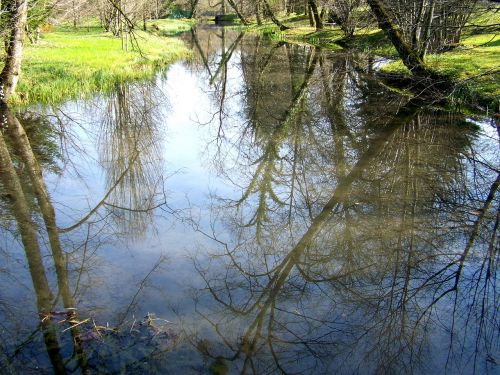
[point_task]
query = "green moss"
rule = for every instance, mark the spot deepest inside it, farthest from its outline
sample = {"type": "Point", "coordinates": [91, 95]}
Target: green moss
{"type": "Point", "coordinates": [372, 41]}
{"type": "Point", "coordinates": [71, 63]}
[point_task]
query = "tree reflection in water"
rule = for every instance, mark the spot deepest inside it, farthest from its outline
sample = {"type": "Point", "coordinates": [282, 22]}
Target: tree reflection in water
{"type": "Point", "coordinates": [130, 140]}
{"type": "Point", "coordinates": [362, 242]}
{"type": "Point", "coordinates": [85, 348]}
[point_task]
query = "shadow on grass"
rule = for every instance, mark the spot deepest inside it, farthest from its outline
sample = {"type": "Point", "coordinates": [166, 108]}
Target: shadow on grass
{"type": "Point", "coordinates": [493, 43]}
{"type": "Point", "coordinates": [170, 33]}
{"type": "Point", "coordinates": [80, 29]}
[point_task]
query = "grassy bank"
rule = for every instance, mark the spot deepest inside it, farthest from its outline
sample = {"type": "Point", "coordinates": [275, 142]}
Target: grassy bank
{"type": "Point", "coordinates": [171, 27]}
{"type": "Point", "coordinates": [73, 63]}
{"type": "Point", "coordinates": [473, 65]}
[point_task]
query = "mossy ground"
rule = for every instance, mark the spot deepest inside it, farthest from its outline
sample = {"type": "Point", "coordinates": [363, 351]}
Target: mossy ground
{"type": "Point", "coordinates": [72, 63]}
{"type": "Point", "coordinates": [299, 32]}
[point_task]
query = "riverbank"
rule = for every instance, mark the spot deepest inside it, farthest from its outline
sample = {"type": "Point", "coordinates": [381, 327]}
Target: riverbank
{"type": "Point", "coordinates": [472, 66]}
{"type": "Point", "coordinates": [69, 63]}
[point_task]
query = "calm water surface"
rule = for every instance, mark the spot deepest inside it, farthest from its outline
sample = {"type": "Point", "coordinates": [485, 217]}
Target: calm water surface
{"type": "Point", "coordinates": [264, 208]}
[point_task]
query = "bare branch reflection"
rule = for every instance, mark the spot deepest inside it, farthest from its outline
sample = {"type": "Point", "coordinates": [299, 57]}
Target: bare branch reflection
{"type": "Point", "coordinates": [365, 238]}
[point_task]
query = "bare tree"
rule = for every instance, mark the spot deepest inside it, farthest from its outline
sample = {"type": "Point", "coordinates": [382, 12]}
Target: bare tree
{"type": "Point", "coordinates": [346, 13]}
{"type": "Point", "coordinates": [417, 26]}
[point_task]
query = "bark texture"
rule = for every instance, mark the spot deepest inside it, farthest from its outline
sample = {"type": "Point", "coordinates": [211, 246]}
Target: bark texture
{"type": "Point", "coordinates": [238, 13]}
{"type": "Point", "coordinates": [12, 68]}
{"type": "Point", "coordinates": [270, 13]}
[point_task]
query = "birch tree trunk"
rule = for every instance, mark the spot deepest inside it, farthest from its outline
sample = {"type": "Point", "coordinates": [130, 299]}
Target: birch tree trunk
{"type": "Point", "coordinates": [10, 73]}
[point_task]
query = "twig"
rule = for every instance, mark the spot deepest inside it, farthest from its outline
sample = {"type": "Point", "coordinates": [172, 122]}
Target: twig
{"type": "Point", "coordinates": [76, 325]}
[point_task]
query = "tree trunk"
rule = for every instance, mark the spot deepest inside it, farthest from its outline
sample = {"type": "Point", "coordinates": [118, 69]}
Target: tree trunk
{"type": "Point", "coordinates": [309, 14]}
{"type": "Point", "coordinates": [10, 73]}
{"type": "Point", "coordinates": [23, 148]}
{"type": "Point", "coordinates": [276, 21]}
{"type": "Point", "coordinates": [194, 5]}
{"type": "Point", "coordinates": [22, 213]}
{"type": "Point", "coordinates": [417, 30]}
{"type": "Point", "coordinates": [257, 12]}
{"type": "Point", "coordinates": [317, 18]}
{"type": "Point", "coordinates": [75, 15]}
{"type": "Point", "coordinates": [410, 57]}
{"type": "Point", "coordinates": [240, 16]}
{"type": "Point", "coordinates": [427, 30]}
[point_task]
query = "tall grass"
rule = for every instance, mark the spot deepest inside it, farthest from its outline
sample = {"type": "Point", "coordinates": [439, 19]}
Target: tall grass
{"type": "Point", "coordinates": [73, 63]}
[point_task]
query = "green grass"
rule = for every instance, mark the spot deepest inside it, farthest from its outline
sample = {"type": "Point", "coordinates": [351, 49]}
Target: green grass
{"type": "Point", "coordinates": [372, 41]}
{"type": "Point", "coordinates": [300, 32]}
{"type": "Point", "coordinates": [474, 66]}
{"type": "Point", "coordinates": [171, 27]}
{"type": "Point", "coordinates": [69, 63]}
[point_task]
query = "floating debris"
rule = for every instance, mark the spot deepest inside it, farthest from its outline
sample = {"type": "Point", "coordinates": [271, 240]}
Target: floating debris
{"type": "Point", "coordinates": [107, 348]}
